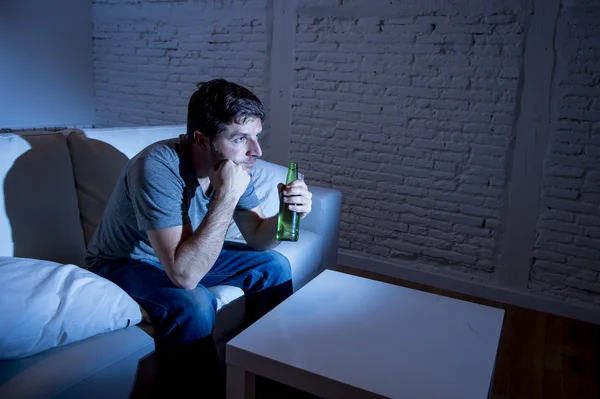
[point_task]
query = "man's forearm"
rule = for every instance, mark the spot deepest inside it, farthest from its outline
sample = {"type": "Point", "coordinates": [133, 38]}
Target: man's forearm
{"type": "Point", "coordinates": [265, 236]}
{"type": "Point", "coordinates": [196, 255]}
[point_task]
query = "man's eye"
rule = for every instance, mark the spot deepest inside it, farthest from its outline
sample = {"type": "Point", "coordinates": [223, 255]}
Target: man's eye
{"type": "Point", "coordinates": [240, 139]}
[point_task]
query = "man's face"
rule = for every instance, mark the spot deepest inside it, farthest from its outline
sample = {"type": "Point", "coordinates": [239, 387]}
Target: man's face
{"type": "Point", "coordinates": [239, 143]}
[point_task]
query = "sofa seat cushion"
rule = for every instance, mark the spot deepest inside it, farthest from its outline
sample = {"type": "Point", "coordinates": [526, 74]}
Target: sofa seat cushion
{"type": "Point", "coordinates": [39, 215]}
{"type": "Point", "coordinates": [101, 360]}
{"type": "Point", "coordinates": [225, 294]}
{"type": "Point", "coordinates": [231, 310]}
{"type": "Point", "coordinates": [46, 304]}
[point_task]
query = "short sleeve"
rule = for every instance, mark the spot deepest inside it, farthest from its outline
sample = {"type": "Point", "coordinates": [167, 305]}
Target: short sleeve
{"type": "Point", "coordinates": [157, 193]}
{"type": "Point", "coordinates": [248, 200]}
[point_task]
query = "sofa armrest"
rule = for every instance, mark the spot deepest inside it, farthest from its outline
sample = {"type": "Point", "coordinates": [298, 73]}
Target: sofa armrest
{"type": "Point", "coordinates": [324, 219]}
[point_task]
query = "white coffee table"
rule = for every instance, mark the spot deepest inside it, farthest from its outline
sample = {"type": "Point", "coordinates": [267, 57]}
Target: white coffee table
{"type": "Point", "coordinates": [342, 336]}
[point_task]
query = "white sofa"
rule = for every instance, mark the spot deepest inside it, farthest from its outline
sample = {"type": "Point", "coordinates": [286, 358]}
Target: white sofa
{"type": "Point", "coordinates": [55, 187]}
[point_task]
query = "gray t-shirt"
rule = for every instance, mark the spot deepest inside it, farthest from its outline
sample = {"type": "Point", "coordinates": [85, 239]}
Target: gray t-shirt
{"type": "Point", "coordinates": [157, 189]}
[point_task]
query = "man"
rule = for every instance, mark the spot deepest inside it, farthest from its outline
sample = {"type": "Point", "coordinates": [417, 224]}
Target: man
{"type": "Point", "coordinates": [161, 237]}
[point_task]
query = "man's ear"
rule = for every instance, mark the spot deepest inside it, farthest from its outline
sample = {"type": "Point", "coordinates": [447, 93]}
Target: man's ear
{"type": "Point", "coordinates": [201, 140]}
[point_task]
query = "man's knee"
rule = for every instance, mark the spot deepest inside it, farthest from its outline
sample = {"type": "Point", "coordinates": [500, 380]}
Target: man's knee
{"type": "Point", "coordinates": [186, 316]}
{"type": "Point", "coordinates": [279, 269]}
{"type": "Point", "coordinates": [276, 270]}
{"type": "Point", "coordinates": [274, 285]}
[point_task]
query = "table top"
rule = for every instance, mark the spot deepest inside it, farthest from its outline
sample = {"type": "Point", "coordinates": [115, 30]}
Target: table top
{"type": "Point", "coordinates": [378, 337]}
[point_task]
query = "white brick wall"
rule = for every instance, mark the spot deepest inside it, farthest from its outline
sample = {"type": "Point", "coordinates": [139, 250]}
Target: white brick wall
{"type": "Point", "coordinates": [410, 117]}
{"type": "Point", "coordinates": [147, 59]}
{"type": "Point", "coordinates": [566, 261]}
{"type": "Point", "coordinates": [414, 110]}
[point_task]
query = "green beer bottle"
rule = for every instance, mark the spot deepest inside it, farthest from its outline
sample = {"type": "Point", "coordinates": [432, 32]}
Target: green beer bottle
{"type": "Point", "coordinates": [288, 222]}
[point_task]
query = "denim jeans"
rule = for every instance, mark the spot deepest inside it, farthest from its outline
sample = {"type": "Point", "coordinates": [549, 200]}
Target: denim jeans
{"type": "Point", "coordinates": [183, 320]}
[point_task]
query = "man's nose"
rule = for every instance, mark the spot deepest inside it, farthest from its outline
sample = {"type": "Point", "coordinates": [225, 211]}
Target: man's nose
{"type": "Point", "coordinates": [254, 149]}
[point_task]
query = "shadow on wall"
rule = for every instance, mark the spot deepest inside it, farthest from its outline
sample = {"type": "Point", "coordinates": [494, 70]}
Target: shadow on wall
{"type": "Point", "coordinates": [42, 203]}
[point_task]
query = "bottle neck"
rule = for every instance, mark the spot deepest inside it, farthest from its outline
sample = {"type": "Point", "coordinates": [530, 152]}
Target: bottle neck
{"type": "Point", "coordinates": [292, 173]}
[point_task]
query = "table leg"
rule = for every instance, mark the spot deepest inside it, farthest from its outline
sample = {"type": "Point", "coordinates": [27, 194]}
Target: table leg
{"type": "Point", "coordinates": [491, 382]}
{"type": "Point", "coordinates": [241, 384]}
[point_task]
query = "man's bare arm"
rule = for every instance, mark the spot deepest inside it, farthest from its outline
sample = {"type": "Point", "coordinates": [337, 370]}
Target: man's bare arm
{"type": "Point", "coordinates": [258, 231]}
{"type": "Point", "coordinates": [187, 256]}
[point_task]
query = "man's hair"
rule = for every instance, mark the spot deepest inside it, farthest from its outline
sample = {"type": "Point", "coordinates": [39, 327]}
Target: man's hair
{"type": "Point", "coordinates": [218, 103]}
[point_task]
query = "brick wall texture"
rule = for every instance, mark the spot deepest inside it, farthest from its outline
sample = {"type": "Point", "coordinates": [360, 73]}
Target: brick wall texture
{"type": "Point", "coordinates": [148, 60]}
{"type": "Point", "coordinates": [410, 117]}
{"type": "Point", "coordinates": [566, 260]}
{"type": "Point", "coordinates": [408, 109]}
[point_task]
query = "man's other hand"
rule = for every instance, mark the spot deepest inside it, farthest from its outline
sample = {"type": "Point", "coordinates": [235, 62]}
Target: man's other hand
{"type": "Point", "coordinates": [298, 197]}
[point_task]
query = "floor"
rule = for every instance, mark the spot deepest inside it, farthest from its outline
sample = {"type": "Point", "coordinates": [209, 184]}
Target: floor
{"type": "Point", "coordinates": [540, 356]}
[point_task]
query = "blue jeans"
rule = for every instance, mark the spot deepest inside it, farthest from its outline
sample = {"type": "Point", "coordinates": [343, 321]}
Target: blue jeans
{"type": "Point", "coordinates": [183, 320]}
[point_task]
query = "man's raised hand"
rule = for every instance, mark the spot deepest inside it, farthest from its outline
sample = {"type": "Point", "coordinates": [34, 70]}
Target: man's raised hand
{"type": "Point", "coordinates": [230, 180]}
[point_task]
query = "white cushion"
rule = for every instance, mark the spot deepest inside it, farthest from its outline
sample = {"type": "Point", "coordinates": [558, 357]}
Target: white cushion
{"type": "Point", "coordinates": [131, 140]}
{"type": "Point", "coordinates": [107, 150]}
{"type": "Point", "coordinates": [224, 294]}
{"type": "Point", "coordinates": [46, 304]}
{"type": "Point", "coordinates": [39, 217]}
{"type": "Point", "coordinates": [230, 315]}
{"type": "Point", "coordinates": [266, 176]}
{"type": "Point", "coordinates": [304, 256]}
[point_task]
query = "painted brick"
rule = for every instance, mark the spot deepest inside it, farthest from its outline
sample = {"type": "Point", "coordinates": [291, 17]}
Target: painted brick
{"type": "Point", "coordinates": [412, 117]}
{"type": "Point", "coordinates": [170, 51]}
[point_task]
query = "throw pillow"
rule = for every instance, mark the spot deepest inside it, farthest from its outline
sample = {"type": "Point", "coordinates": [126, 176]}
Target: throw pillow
{"type": "Point", "coordinates": [107, 150]}
{"type": "Point", "coordinates": [46, 304]}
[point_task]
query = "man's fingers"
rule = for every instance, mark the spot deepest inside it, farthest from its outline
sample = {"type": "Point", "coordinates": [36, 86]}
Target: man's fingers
{"type": "Point", "coordinates": [297, 196]}
{"type": "Point", "coordinates": [298, 192]}
{"type": "Point", "coordinates": [297, 199]}
{"type": "Point", "coordinates": [297, 183]}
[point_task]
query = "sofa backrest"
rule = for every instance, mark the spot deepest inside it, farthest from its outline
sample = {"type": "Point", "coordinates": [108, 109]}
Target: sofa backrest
{"type": "Point", "coordinates": [39, 216]}
{"type": "Point", "coordinates": [56, 186]}
{"type": "Point", "coordinates": [98, 157]}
